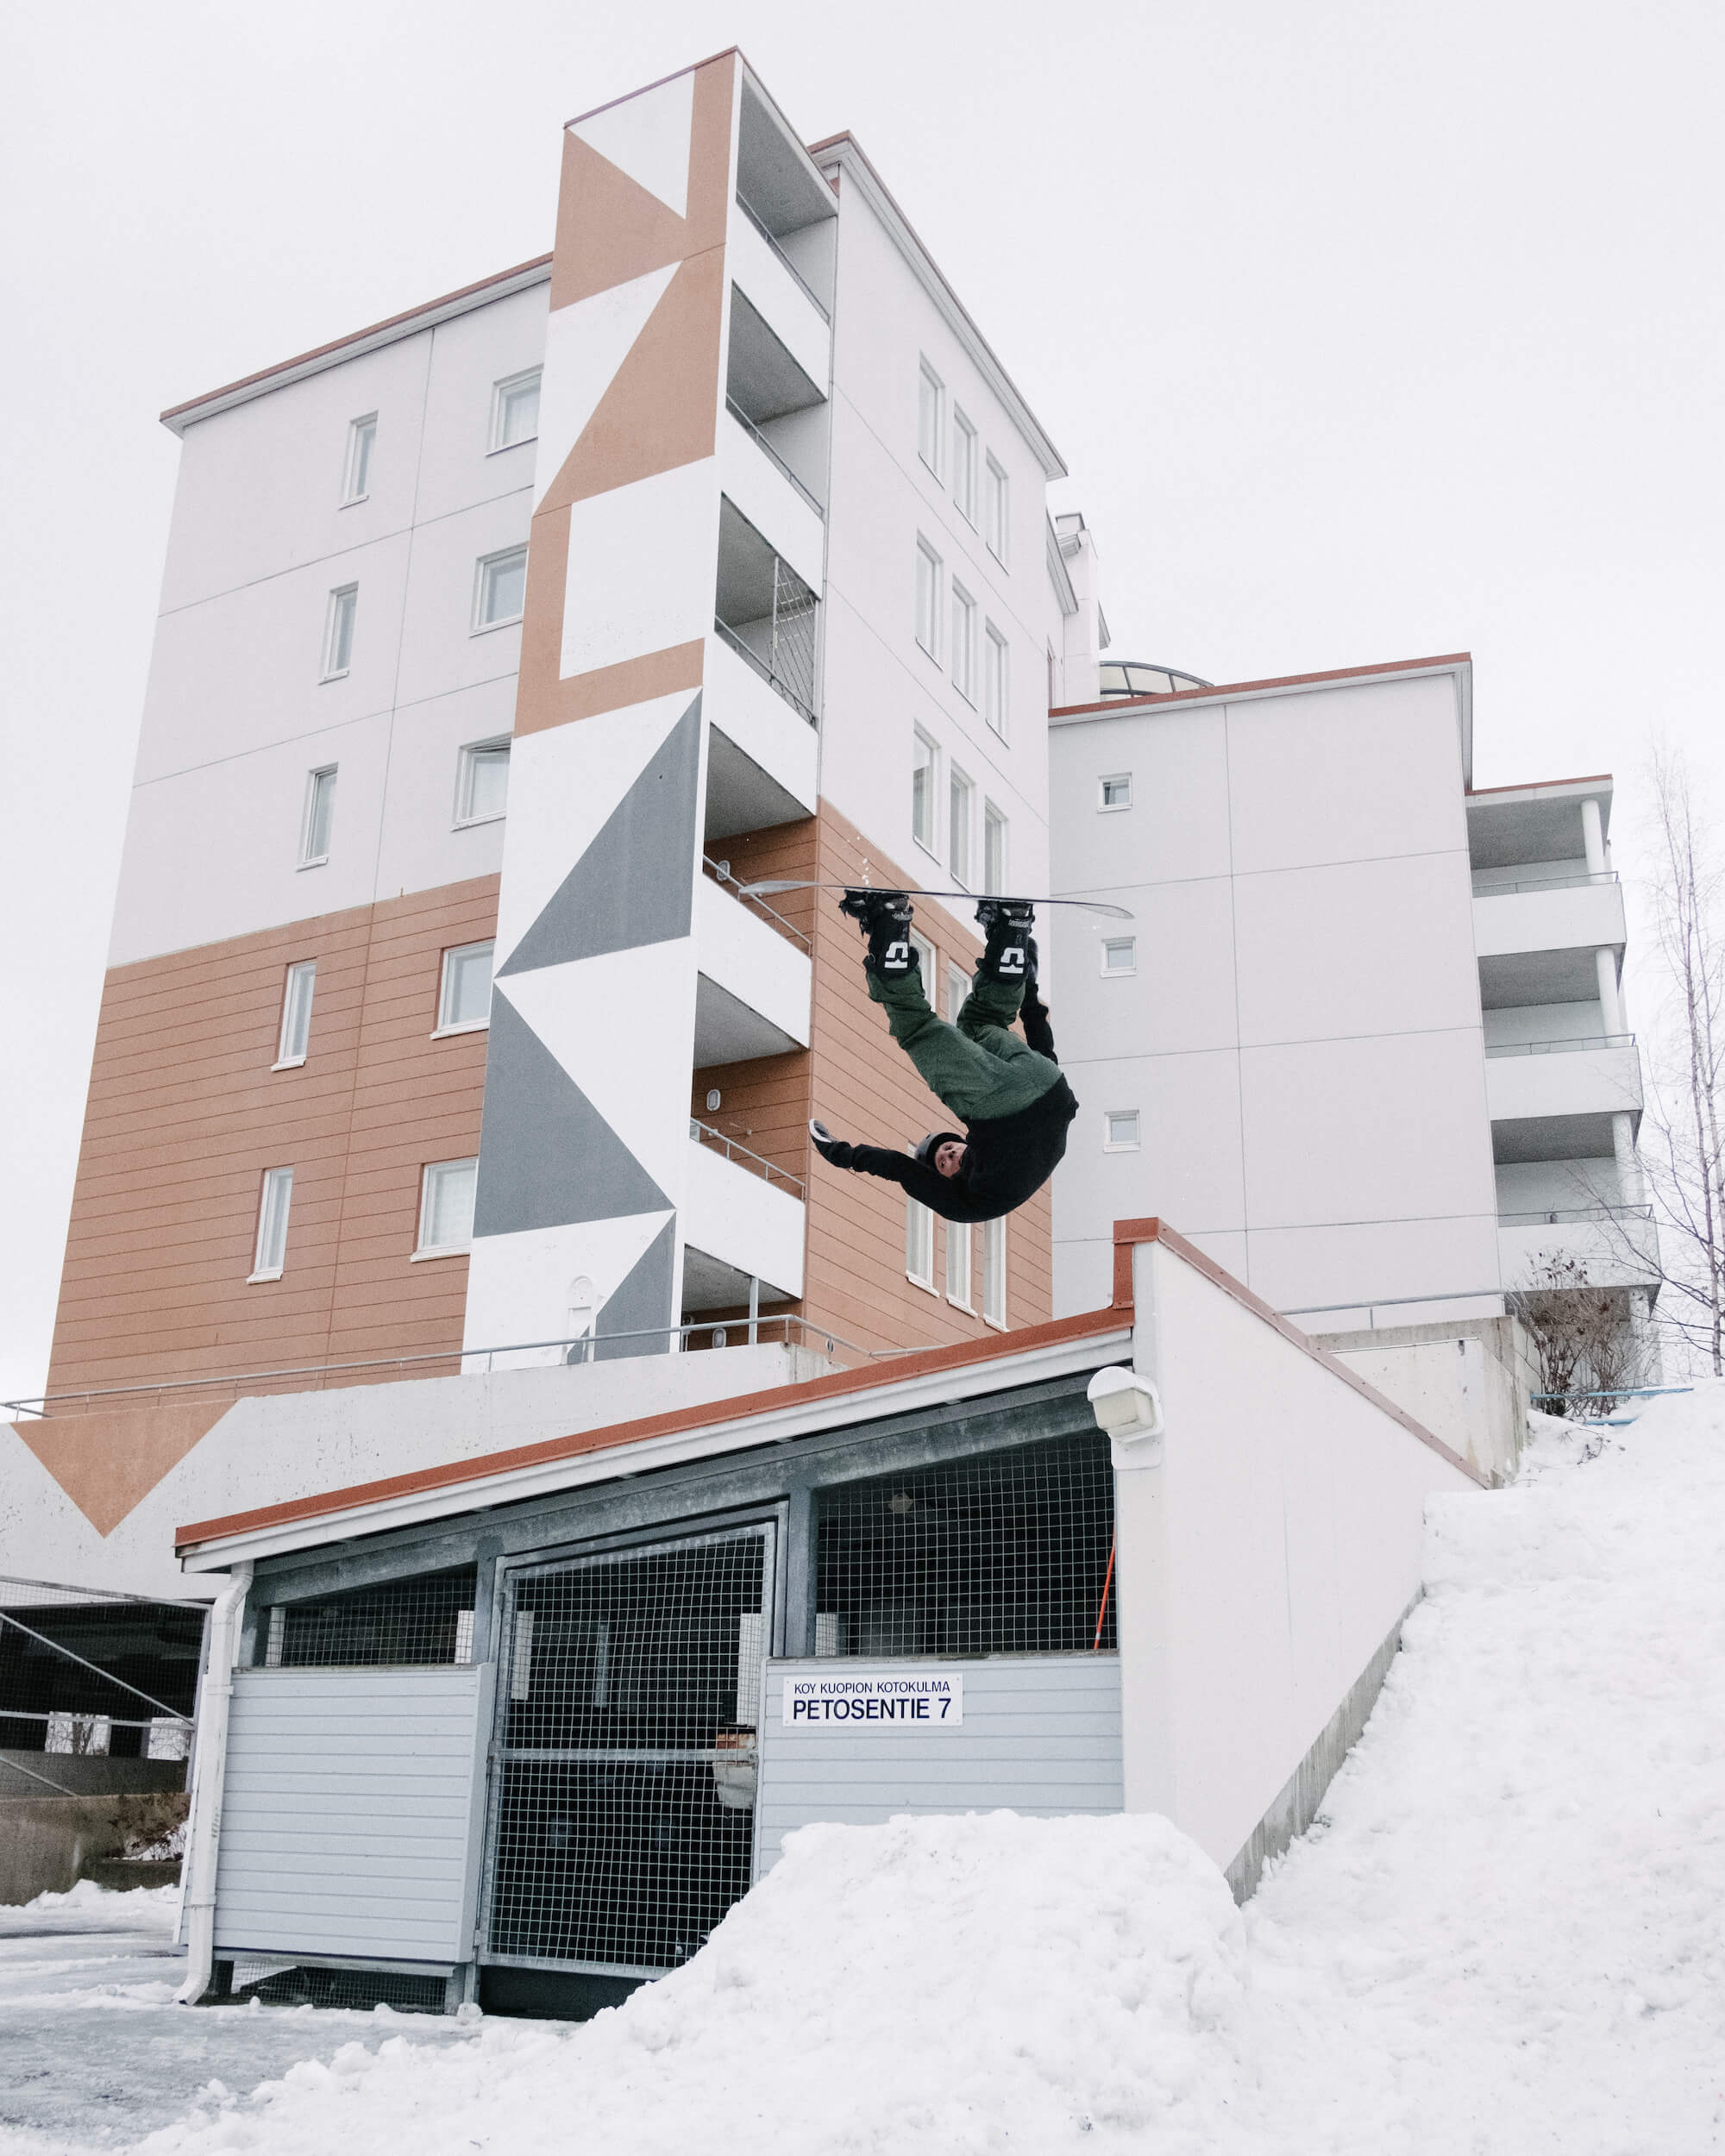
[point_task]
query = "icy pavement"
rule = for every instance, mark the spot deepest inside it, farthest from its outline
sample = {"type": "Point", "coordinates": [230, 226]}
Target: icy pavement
{"type": "Point", "coordinates": [93, 2054]}
{"type": "Point", "coordinates": [1504, 1938]}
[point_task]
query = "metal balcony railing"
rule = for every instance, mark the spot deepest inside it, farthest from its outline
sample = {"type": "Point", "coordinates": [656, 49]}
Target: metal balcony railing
{"type": "Point", "coordinates": [768, 674]}
{"type": "Point", "coordinates": [704, 1134]}
{"type": "Point", "coordinates": [720, 872]}
{"type": "Point", "coordinates": [1561, 1216]}
{"type": "Point", "coordinates": [760, 225]}
{"type": "Point", "coordinates": [1566, 879]}
{"type": "Point", "coordinates": [1562, 1047]}
{"type": "Point", "coordinates": [767, 450]}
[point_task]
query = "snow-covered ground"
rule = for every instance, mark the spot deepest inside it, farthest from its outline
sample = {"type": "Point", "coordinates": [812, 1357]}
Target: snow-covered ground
{"type": "Point", "coordinates": [1503, 1938]}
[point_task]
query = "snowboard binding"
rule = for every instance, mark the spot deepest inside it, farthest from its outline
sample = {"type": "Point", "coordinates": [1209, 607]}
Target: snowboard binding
{"type": "Point", "coordinates": [1009, 948]}
{"type": "Point", "coordinates": [884, 918]}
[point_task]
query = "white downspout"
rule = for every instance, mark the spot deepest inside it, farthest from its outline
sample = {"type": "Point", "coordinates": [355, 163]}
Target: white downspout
{"type": "Point", "coordinates": [209, 1776]}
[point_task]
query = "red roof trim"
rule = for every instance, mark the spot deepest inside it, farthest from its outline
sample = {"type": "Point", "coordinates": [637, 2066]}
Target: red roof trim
{"type": "Point", "coordinates": [1542, 786]}
{"type": "Point", "coordinates": [929, 1363]}
{"type": "Point", "coordinates": [1277, 682]}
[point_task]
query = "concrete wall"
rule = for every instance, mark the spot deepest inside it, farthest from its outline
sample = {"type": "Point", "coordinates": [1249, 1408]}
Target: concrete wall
{"type": "Point", "coordinates": [47, 1844]}
{"type": "Point", "coordinates": [1468, 1382]}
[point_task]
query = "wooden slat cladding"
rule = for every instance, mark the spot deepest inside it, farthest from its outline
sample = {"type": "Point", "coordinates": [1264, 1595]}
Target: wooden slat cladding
{"type": "Point", "coordinates": [185, 1114]}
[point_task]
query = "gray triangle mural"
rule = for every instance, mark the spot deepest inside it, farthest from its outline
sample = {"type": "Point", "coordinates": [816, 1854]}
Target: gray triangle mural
{"type": "Point", "coordinates": [641, 1300]}
{"type": "Point", "coordinates": [634, 885]}
{"type": "Point", "coordinates": [546, 1156]}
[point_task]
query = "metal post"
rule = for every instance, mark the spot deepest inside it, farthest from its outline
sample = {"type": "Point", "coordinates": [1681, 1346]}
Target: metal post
{"type": "Point", "coordinates": [754, 1310]}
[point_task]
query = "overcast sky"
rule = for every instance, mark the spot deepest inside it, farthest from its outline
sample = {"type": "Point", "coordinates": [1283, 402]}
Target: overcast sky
{"type": "Point", "coordinates": [1368, 331]}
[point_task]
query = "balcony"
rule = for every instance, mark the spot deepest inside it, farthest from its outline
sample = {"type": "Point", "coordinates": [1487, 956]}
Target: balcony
{"type": "Point", "coordinates": [1618, 1244]}
{"type": "Point", "coordinates": [1524, 930]}
{"type": "Point", "coordinates": [768, 614]}
{"type": "Point", "coordinates": [759, 484]}
{"type": "Point", "coordinates": [1597, 1077]}
{"type": "Point", "coordinates": [761, 268]}
{"type": "Point", "coordinates": [753, 988]}
{"type": "Point", "coordinates": [742, 1221]}
{"type": "Point", "coordinates": [762, 754]}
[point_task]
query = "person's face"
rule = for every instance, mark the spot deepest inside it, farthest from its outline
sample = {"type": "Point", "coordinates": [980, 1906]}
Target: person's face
{"type": "Point", "coordinates": [949, 1157]}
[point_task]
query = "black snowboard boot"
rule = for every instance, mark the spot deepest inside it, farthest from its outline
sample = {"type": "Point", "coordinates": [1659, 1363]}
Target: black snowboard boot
{"type": "Point", "coordinates": [1005, 924]}
{"type": "Point", "coordinates": [885, 919]}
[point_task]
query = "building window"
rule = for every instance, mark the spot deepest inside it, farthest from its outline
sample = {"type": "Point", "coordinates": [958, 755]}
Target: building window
{"type": "Point", "coordinates": [515, 409]}
{"type": "Point", "coordinates": [356, 478]}
{"type": "Point", "coordinates": [319, 820]}
{"type": "Point", "coordinates": [464, 998]}
{"type": "Point", "coordinates": [965, 466]}
{"type": "Point", "coordinates": [446, 1208]}
{"type": "Point", "coordinates": [994, 1272]}
{"type": "Point", "coordinates": [273, 1201]}
{"type": "Point", "coordinates": [500, 588]}
{"type": "Point", "coordinates": [960, 799]}
{"type": "Point", "coordinates": [919, 1243]}
{"type": "Point", "coordinates": [482, 782]}
{"type": "Point", "coordinates": [922, 791]}
{"type": "Point", "coordinates": [958, 990]}
{"type": "Point", "coordinates": [963, 643]}
{"type": "Point", "coordinates": [993, 851]}
{"type": "Point", "coordinates": [338, 631]}
{"type": "Point", "coordinates": [1117, 792]}
{"type": "Point", "coordinates": [996, 681]}
{"type": "Point", "coordinates": [928, 417]}
{"type": "Point", "coordinates": [926, 954]}
{"type": "Point", "coordinates": [1120, 954]}
{"type": "Point", "coordinates": [296, 1015]}
{"type": "Point", "coordinates": [928, 598]}
{"type": "Point", "coordinates": [1119, 1131]}
{"type": "Point", "coordinates": [997, 511]}
{"type": "Point", "coordinates": [958, 1263]}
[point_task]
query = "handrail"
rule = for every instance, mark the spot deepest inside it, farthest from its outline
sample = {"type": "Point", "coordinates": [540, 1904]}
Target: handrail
{"type": "Point", "coordinates": [1561, 1048]}
{"type": "Point", "coordinates": [1561, 1216]}
{"type": "Point", "coordinates": [720, 872]}
{"type": "Point", "coordinates": [772, 681]}
{"type": "Point", "coordinates": [760, 225]}
{"type": "Point", "coordinates": [700, 1133]}
{"type": "Point", "coordinates": [1567, 880]}
{"type": "Point", "coordinates": [743, 420]}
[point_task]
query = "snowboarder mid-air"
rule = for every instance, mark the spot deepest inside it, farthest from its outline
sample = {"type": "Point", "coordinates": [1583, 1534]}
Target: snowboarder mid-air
{"type": "Point", "coordinates": [1009, 1093]}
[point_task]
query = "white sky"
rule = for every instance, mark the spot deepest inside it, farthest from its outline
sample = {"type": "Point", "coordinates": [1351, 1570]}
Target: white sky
{"type": "Point", "coordinates": [1368, 331]}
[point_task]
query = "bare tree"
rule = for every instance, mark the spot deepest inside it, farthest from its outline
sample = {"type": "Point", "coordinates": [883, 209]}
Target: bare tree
{"type": "Point", "coordinates": [1582, 1340]}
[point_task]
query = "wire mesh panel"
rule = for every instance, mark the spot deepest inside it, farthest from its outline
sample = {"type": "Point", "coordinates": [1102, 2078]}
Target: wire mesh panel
{"type": "Point", "coordinates": [1003, 1552]}
{"type": "Point", "coordinates": [83, 1669]}
{"type": "Point", "coordinates": [428, 1619]}
{"type": "Point", "coordinates": [624, 1806]}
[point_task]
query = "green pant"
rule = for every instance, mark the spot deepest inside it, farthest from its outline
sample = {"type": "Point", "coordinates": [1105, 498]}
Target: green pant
{"type": "Point", "coordinates": [978, 1068]}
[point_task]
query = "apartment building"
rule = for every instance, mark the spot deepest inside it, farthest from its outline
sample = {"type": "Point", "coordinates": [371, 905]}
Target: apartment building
{"type": "Point", "coordinates": [1365, 1038]}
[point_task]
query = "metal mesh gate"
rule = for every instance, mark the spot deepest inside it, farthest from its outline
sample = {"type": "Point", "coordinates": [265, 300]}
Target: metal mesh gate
{"type": "Point", "coordinates": [623, 1801]}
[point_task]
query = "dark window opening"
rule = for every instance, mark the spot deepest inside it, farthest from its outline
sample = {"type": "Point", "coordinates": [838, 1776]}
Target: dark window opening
{"type": "Point", "coordinates": [426, 1619]}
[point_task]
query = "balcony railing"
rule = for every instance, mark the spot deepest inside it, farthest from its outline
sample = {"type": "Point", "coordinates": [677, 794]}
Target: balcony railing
{"type": "Point", "coordinates": [705, 1134]}
{"type": "Point", "coordinates": [760, 225]}
{"type": "Point", "coordinates": [1562, 1047]}
{"type": "Point", "coordinates": [1566, 879]}
{"type": "Point", "coordinates": [767, 450]}
{"type": "Point", "coordinates": [770, 675]}
{"type": "Point", "coordinates": [720, 872]}
{"type": "Point", "coordinates": [1563, 1216]}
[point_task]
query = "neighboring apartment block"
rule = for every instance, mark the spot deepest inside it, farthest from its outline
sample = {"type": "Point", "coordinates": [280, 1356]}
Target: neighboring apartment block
{"type": "Point", "coordinates": [1364, 1037]}
{"type": "Point", "coordinates": [499, 644]}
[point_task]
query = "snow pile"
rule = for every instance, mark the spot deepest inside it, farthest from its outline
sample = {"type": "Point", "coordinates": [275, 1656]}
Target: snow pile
{"type": "Point", "coordinates": [935, 1984]}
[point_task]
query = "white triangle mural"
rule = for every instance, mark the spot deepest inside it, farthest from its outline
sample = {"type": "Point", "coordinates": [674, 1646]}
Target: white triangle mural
{"type": "Point", "coordinates": [585, 344]}
{"type": "Point", "coordinates": [519, 1285]}
{"type": "Point", "coordinates": [647, 137]}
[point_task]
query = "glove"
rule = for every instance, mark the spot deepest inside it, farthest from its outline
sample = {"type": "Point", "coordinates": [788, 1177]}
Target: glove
{"type": "Point", "coordinates": [834, 1149]}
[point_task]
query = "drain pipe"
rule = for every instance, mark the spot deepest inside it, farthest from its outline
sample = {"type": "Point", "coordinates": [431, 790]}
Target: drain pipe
{"type": "Point", "coordinates": [208, 1775]}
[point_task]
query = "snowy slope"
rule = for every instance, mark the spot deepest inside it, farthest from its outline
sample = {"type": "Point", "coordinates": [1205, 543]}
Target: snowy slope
{"type": "Point", "coordinates": [1504, 1938]}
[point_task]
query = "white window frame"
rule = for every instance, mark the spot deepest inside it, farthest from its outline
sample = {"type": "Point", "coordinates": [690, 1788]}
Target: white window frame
{"type": "Point", "coordinates": [963, 466]}
{"type": "Point", "coordinates": [446, 1025]}
{"type": "Point", "coordinates": [466, 766]}
{"type": "Point", "coordinates": [428, 1176]}
{"type": "Point", "coordinates": [925, 838]}
{"type": "Point", "coordinates": [957, 1239]}
{"type": "Point", "coordinates": [485, 570]}
{"type": "Point", "coordinates": [343, 602]}
{"type": "Point", "coordinates": [994, 1273]}
{"type": "Point", "coordinates": [963, 643]}
{"type": "Point", "coordinates": [960, 815]}
{"type": "Point", "coordinates": [1113, 1145]}
{"type": "Point", "coordinates": [307, 815]}
{"type": "Point", "coordinates": [930, 414]}
{"type": "Point", "coordinates": [287, 1057]}
{"type": "Point", "coordinates": [1129, 944]}
{"type": "Point", "coordinates": [275, 1204]}
{"type": "Point", "coordinates": [997, 680]}
{"type": "Point", "coordinates": [356, 485]}
{"type": "Point", "coordinates": [919, 1245]}
{"type": "Point", "coordinates": [997, 498]}
{"type": "Point", "coordinates": [994, 880]}
{"type": "Point", "coordinates": [958, 987]}
{"type": "Point", "coordinates": [928, 582]}
{"type": "Point", "coordinates": [1104, 806]}
{"type": "Point", "coordinates": [927, 956]}
{"type": "Point", "coordinates": [501, 391]}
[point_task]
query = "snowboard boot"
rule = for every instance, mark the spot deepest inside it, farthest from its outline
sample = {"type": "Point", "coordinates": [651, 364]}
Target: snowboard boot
{"type": "Point", "coordinates": [884, 918]}
{"type": "Point", "coordinates": [1006, 953]}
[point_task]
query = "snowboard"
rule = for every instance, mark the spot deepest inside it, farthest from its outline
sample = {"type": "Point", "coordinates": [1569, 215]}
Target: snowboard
{"type": "Point", "coordinates": [970, 897]}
